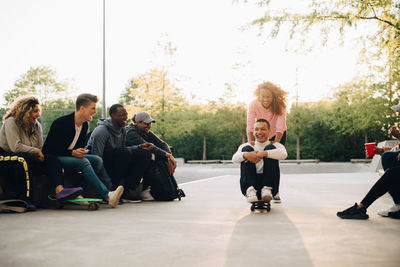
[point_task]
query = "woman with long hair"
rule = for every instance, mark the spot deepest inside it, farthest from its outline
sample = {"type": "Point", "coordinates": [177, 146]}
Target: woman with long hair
{"type": "Point", "coordinates": [270, 104]}
{"type": "Point", "coordinates": [21, 135]}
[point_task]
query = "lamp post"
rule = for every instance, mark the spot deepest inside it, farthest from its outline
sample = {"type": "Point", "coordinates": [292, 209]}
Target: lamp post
{"type": "Point", "coordinates": [103, 111]}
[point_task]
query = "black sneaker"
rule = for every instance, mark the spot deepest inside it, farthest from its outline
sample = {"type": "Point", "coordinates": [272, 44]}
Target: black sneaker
{"type": "Point", "coordinates": [394, 215]}
{"type": "Point", "coordinates": [353, 213]}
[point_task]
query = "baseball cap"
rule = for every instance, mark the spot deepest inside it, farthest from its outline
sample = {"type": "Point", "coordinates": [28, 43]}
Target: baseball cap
{"type": "Point", "coordinates": [396, 107]}
{"type": "Point", "coordinates": [143, 117]}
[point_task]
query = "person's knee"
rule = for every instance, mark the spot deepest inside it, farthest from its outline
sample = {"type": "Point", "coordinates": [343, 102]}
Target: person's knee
{"type": "Point", "coordinates": [143, 154]}
{"type": "Point", "coordinates": [84, 163]}
{"type": "Point", "coordinates": [247, 148]}
{"type": "Point", "coordinates": [269, 147]}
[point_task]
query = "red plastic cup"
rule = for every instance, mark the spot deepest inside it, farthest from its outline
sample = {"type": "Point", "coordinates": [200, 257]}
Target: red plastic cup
{"type": "Point", "coordinates": [370, 149]}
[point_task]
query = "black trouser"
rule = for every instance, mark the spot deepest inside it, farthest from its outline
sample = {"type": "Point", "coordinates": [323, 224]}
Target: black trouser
{"type": "Point", "coordinates": [283, 139]}
{"type": "Point", "coordinates": [126, 166]}
{"type": "Point", "coordinates": [270, 176]}
{"type": "Point", "coordinates": [16, 183]}
{"type": "Point", "coordinates": [389, 182]}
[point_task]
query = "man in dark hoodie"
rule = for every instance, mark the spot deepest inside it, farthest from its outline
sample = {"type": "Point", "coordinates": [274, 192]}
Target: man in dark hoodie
{"type": "Point", "coordinates": [140, 133]}
{"type": "Point", "coordinates": [125, 165]}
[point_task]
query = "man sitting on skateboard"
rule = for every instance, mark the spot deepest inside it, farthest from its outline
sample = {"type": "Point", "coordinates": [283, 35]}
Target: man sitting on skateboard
{"type": "Point", "coordinates": [259, 164]}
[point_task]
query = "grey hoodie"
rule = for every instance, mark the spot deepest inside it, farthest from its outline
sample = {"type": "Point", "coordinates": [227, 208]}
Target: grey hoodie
{"type": "Point", "coordinates": [105, 137]}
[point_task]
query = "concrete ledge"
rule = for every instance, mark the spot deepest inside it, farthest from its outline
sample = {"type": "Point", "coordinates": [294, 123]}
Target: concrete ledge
{"type": "Point", "coordinates": [216, 161]}
{"type": "Point", "coordinates": [360, 160]}
{"type": "Point", "coordinates": [300, 161]}
{"type": "Point", "coordinates": [212, 161]}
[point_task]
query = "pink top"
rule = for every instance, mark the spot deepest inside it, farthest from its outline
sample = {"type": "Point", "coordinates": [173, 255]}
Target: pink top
{"type": "Point", "coordinates": [257, 111]}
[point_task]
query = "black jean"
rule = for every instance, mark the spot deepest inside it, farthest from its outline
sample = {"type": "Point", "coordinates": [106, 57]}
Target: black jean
{"type": "Point", "coordinates": [389, 182]}
{"type": "Point", "coordinates": [283, 139]}
{"type": "Point", "coordinates": [126, 166]}
{"type": "Point", "coordinates": [270, 176]}
{"type": "Point", "coordinates": [16, 178]}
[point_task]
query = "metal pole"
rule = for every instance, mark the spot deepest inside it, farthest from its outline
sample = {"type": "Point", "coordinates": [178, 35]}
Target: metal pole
{"type": "Point", "coordinates": [103, 111]}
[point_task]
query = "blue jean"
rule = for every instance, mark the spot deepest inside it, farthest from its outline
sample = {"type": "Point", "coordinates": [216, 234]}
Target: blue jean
{"type": "Point", "coordinates": [389, 159]}
{"type": "Point", "coordinates": [87, 165]}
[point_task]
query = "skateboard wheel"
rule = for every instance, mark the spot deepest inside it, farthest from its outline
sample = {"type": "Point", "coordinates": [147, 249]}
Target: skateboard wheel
{"type": "Point", "coordinates": [93, 206]}
{"type": "Point", "coordinates": [252, 208]}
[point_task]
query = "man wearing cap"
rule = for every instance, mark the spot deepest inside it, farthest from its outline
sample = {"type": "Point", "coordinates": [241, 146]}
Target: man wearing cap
{"type": "Point", "coordinates": [391, 158]}
{"type": "Point", "coordinates": [139, 133]}
{"type": "Point", "coordinates": [125, 165]}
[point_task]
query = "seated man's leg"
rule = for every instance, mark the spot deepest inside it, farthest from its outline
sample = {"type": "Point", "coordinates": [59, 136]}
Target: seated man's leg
{"type": "Point", "coordinates": [389, 159]}
{"type": "Point", "coordinates": [99, 168]}
{"type": "Point", "coordinates": [52, 167]}
{"type": "Point", "coordinates": [271, 175]}
{"type": "Point", "coordinates": [248, 173]}
{"type": "Point", "coordinates": [140, 162]}
{"type": "Point", "coordinates": [117, 163]}
{"type": "Point", "coordinates": [90, 178]}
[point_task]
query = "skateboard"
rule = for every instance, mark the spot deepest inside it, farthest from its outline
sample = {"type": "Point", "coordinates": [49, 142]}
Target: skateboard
{"type": "Point", "coordinates": [13, 205]}
{"type": "Point", "coordinates": [91, 203]}
{"type": "Point", "coordinates": [260, 205]}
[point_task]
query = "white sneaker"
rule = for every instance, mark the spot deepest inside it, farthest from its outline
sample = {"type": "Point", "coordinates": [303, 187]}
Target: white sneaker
{"type": "Point", "coordinates": [146, 194]}
{"type": "Point", "coordinates": [266, 194]}
{"type": "Point", "coordinates": [385, 212]}
{"type": "Point", "coordinates": [114, 196]}
{"type": "Point", "coordinates": [277, 198]}
{"type": "Point", "coordinates": [251, 195]}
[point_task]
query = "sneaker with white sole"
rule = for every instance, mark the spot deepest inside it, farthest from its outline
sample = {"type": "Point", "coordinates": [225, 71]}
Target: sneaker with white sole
{"type": "Point", "coordinates": [114, 196]}
{"type": "Point", "coordinates": [385, 212]}
{"type": "Point", "coordinates": [146, 196]}
{"type": "Point", "coordinates": [277, 198]}
{"type": "Point", "coordinates": [266, 194]}
{"type": "Point", "coordinates": [251, 195]}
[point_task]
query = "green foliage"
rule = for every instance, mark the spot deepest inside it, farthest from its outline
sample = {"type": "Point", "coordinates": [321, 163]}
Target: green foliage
{"type": "Point", "coordinates": [42, 82]}
{"type": "Point", "coordinates": [381, 42]}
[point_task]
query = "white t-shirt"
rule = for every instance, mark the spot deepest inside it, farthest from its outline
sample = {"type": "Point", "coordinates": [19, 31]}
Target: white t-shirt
{"type": "Point", "coordinates": [78, 130]}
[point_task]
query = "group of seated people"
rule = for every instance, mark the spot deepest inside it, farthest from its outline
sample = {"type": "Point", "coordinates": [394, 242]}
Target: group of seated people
{"type": "Point", "coordinates": [114, 158]}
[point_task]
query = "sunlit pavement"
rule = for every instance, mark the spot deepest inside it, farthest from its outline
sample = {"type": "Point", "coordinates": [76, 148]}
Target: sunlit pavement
{"type": "Point", "coordinates": [212, 226]}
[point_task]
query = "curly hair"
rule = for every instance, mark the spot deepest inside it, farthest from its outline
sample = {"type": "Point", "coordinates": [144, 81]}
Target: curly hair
{"type": "Point", "coordinates": [21, 110]}
{"type": "Point", "coordinates": [278, 96]}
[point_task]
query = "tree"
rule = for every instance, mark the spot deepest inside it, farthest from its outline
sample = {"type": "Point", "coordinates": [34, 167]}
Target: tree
{"type": "Point", "coordinates": [381, 41]}
{"type": "Point", "coordinates": [153, 92]}
{"type": "Point", "coordinates": [44, 83]}
{"type": "Point", "coordinates": [298, 120]}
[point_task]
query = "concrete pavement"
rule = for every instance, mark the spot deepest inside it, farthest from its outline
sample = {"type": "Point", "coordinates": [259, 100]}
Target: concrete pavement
{"type": "Point", "coordinates": [212, 226]}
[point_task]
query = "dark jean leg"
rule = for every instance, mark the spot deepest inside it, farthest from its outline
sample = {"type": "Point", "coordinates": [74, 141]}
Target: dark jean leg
{"type": "Point", "coordinates": [271, 173]}
{"type": "Point", "coordinates": [99, 168]}
{"type": "Point", "coordinates": [389, 182]}
{"type": "Point", "coordinates": [248, 173]}
{"type": "Point", "coordinates": [141, 160]}
{"type": "Point", "coordinates": [283, 139]}
{"type": "Point", "coordinates": [389, 159]}
{"type": "Point", "coordinates": [117, 162]}
{"type": "Point", "coordinates": [52, 167]}
{"type": "Point", "coordinates": [90, 178]}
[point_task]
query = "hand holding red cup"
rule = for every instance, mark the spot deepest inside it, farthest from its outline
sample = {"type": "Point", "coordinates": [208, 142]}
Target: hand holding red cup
{"type": "Point", "coordinates": [370, 149]}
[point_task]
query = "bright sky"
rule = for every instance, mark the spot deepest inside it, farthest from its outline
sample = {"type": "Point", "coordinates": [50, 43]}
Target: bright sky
{"type": "Point", "coordinates": [67, 35]}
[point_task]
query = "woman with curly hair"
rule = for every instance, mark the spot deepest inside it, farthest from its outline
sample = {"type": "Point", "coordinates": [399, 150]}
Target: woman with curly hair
{"type": "Point", "coordinates": [21, 135]}
{"type": "Point", "coordinates": [270, 104]}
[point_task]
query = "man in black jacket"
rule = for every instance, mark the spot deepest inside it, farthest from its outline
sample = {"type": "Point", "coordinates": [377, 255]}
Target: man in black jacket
{"type": "Point", "coordinates": [66, 140]}
{"type": "Point", "coordinates": [139, 133]}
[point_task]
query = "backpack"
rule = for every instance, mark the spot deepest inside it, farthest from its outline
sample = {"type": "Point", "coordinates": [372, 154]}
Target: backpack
{"type": "Point", "coordinates": [163, 185]}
